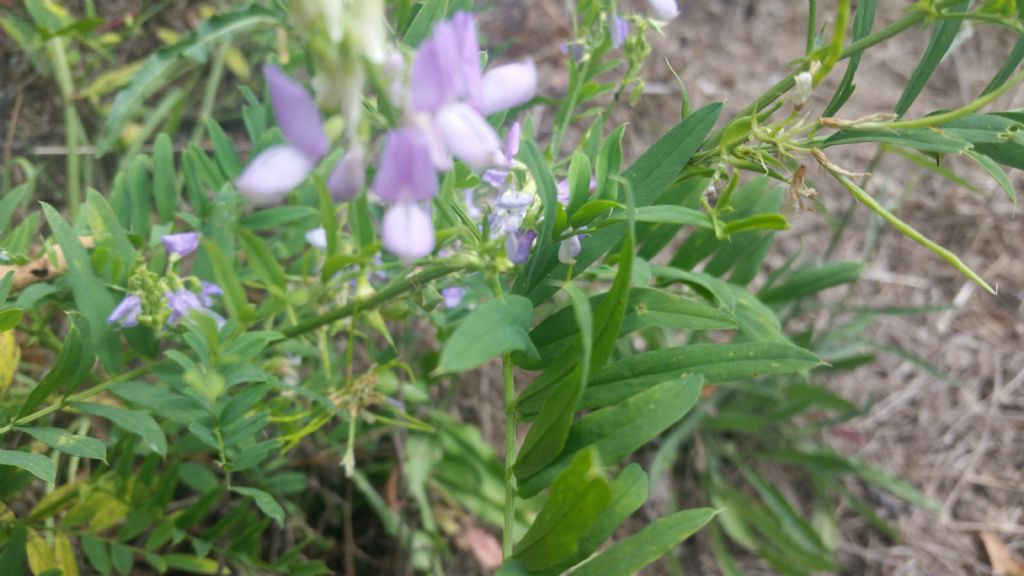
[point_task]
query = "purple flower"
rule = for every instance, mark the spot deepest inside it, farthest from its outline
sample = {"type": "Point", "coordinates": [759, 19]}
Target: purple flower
{"type": "Point", "coordinates": [127, 312]}
{"type": "Point", "coordinates": [509, 211]}
{"type": "Point", "coordinates": [405, 172]}
{"type": "Point", "coordinates": [279, 169]}
{"type": "Point", "coordinates": [181, 303]}
{"type": "Point", "coordinates": [518, 245]}
{"type": "Point", "coordinates": [453, 296]}
{"type": "Point", "coordinates": [471, 208]}
{"type": "Point", "coordinates": [564, 192]}
{"type": "Point", "coordinates": [207, 290]}
{"type": "Point", "coordinates": [569, 249]}
{"type": "Point", "coordinates": [664, 10]}
{"type": "Point", "coordinates": [512, 141]}
{"type": "Point", "coordinates": [181, 245]}
{"type": "Point", "coordinates": [407, 231]}
{"type": "Point", "coordinates": [498, 177]}
{"type": "Point", "coordinates": [348, 176]}
{"type": "Point", "coordinates": [317, 238]}
{"type": "Point", "coordinates": [618, 29]}
{"type": "Point", "coordinates": [450, 94]}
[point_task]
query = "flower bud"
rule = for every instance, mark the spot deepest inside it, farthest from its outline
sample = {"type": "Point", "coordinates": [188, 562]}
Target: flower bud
{"type": "Point", "coordinates": [664, 10]}
{"type": "Point", "coordinates": [127, 312]}
{"type": "Point", "coordinates": [803, 88]}
{"type": "Point", "coordinates": [518, 245]}
{"type": "Point", "coordinates": [569, 249]}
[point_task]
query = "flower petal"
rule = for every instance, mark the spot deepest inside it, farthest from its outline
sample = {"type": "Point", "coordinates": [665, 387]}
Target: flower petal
{"type": "Point", "coordinates": [509, 86]}
{"type": "Point", "coordinates": [348, 176]}
{"type": "Point", "coordinates": [405, 171]}
{"type": "Point", "coordinates": [181, 245]}
{"type": "Point", "coordinates": [469, 137]}
{"type": "Point", "coordinates": [273, 174]}
{"type": "Point", "coordinates": [407, 231]}
{"type": "Point", "coordinates": [127, 312]}
{"type": "Point", "coordinates": [297, 114]}
{"type": "Point", "coordinates": [664, 10]}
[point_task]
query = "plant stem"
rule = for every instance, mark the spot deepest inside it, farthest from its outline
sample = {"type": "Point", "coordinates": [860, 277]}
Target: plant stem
{"type": "Point", "coordinates": [812, 23]}
{"type": "Point", "coordinates": [71, 125]}
{"type": "Point", "coordinates": [507, 534]}
{"type": "Point", "coordinates": [386, 293]}
{"type": "Point", "coordinates": [210, 93]}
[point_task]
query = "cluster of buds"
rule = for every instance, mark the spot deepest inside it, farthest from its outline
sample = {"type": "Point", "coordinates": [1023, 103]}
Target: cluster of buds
{"type": "Point", "coordinates": [155, 301]}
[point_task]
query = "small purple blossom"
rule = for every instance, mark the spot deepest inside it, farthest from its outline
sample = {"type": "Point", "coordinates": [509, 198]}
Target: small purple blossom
{"type": "Point", "coordinates": [181, 245]}
{"type": "Point", "coordinates": [575, 50]}
{"type": "Point", "coordinates": [569, 249]}
{"type": "Point", "coordinates": [181, 303]}
{"type": "Point", "coordinates": [277, 170]}
{"type": "Point", "coordinates": [207, 290]}
{"type": "Point", "coordinates": [317, 238]}
{"type": "Point", "coordinates": [127, 312]}
{"type": "Point", "coordinates": [618, 29]}
{"type": "Point", "coordinates": [518, 245]}
{"type": "Point", "coordinates": [453, 296]}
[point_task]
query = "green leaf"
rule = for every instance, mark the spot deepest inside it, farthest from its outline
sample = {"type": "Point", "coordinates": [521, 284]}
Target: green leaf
{"type": "Point", "coordinates": [665, 214]}
{"type": "Point", "coordinates": [139, 195]}
{"type": "Point", "coordinates": [923, 139]}
{"type": "Point", "coordinates": [585, 328]}
{"type": "Point", "coordinates": [756, 222]}
{"type": "Point", "coordinates": [66, 442]}
{"type": "Point", "coordinates": [431, 11]}
{"type": "Point", "coordinates": [166, 64]}
{"type": "Point", "coordinates": [548, 192]}
{"type": "Point", "coordinates": [491, 330]}
{"type": "Point", "coordinates": [108, 233]}
{"type": "Point", "coordinates": [234, 294]}
{"type": "Point", "coordinates": [10, 318]}
{"type": "Point", "coordinates": [38, 465]}
{"type": "Point", "coordinates": [862, 22]}
{"type": "Point", "coordinates": [139, 423]}
{"type": "Point", "coordinates": [264, 264]}
{"type": "Point", "coordinates": [807, 281]}
{"type": "Point", "coordinates": [91, 296]}
{"type": "Point", "coordinates": [277, 217]}
{"type": "Point", "coordinates": [648, 177]}
{"type": "Point", "coordinates": [609, 161]}
{"type": "Point", "coordinates": [165, 189]}
{"type": "Point", "coordinates": [1008, 67]}
{"type": "Point", "coordinates": [578, 496]}
{"type": "Point", "coordinates": [97, 553]}
{"type": "Point", "coordinates": [193, 564]}
{"type": "Point", "coordinates": [579, 182]}
{"type": "Point", "coordinates": [223, 149]}
{"type": "Point", "coordinates": [65, 369]}
{"type": "Point", "coordinates": [942, 38]}
{"type": "Point", "coordinates": [996, 172]}
{"type": "Point", "coordinates": [716, 362]}
{"type": "Point", "coordinates": [618, 430]}
{"type": "Point", "coordinates": [13, 559]}
{"type": "Point", "coordinates": [264, 502]}
{"type": "Point", "coordinates": [650, 543]}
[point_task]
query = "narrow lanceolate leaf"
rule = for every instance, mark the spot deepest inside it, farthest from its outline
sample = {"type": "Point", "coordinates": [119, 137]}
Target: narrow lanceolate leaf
{"type": "Point", "coordinates": [548, 434]}
{"type": "Point", "coordinates": [811, 281]}
{"type": "Point", "coordinates": [578, 496]}
{"type": "Point", "coordinates": [166, 64]}
{"type": "Point", "coordinates": [493, 329]}
{"type": "Point", "coordinates": [68, 443]}
{"type": "Point", "coordinates": [862, 22]}
{"type": "Point", "coordinates": [619, 430]}
{"type": "Point", "coordinates": [1012, 61]}
{"type": "Point", "coordinates": [64, 371]}
{"type": "Point", "coordinates": [234, 294]}
{"type": "Point", "coordinates": [942, 38]}
{"type": "Point", "coordinates": [667, 214]}
{"type": "Point", "coordinates": [139, 423]}
{"type": "Point", "coordinates": [264, 502]}
{"type": "Point", "coordinates": [39, 465]}
{"type": "Point", "coordinates": [648, 177]}
{"type": "Point", "coordinates": [650, 543]}
{"type": "Point", "coordinates": [996, 172]}
{"type": "Point", "coordinates": [165, 189]}
{"type": "Point", "coordinates": [92, 297]}
{"type": "Point", "coordinates": [262, 260]}
{"type": "Point", "coordinates": [430, 12]}
{"type": "Point", "coordinates": [716, 362]}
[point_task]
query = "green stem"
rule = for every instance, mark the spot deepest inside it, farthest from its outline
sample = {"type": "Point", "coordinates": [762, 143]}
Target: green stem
{"type": "Point", "coordinates": [386, 293]}
{"type": "Point", "coordinates": [210, 93]}
{"type": "Point", "coordinates": [944, 117]}
{"type": "Point", "coordinates": [71, 125]}
{"type": "Point", "coordinates": [905, 229]}
{"type": "Point", "coordinates": [507, 534]}
{"type": "Point", "coordinates": [812, 23]}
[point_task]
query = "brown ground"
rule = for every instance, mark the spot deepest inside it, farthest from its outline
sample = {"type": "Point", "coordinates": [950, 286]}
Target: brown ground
{"type": "Point", "coordinates": [963, 446]}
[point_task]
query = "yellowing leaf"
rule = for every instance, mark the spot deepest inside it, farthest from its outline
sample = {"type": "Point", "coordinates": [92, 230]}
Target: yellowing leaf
{"type": "Point", "coordinates": [40, 557]}
{"type": "Point", "coordinates": [64, 555]}
{"type": "Point", "coordinates": [167, 36]}
{"type": "Point", "coordinates": [10, 355]}
{"type": "Point", "coordinates": [112, 80]}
